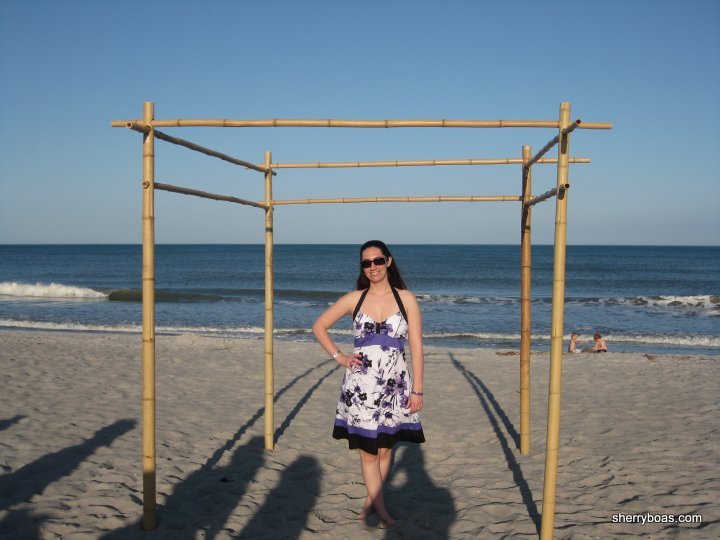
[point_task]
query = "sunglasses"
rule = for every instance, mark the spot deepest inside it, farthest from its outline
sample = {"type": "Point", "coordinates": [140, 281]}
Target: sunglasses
{"type": "Point", "coordinates": [377, 261]}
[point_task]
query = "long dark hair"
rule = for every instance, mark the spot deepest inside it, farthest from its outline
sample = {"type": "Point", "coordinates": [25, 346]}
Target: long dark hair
{"type": "Point", "coordinates": [393, 272]}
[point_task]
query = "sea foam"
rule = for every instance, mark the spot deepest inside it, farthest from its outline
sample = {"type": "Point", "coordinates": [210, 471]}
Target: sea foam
{"type": "Point", "coordinates": [42, 290]}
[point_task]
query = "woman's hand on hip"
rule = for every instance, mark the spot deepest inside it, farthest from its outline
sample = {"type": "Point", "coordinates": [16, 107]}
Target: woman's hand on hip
{"type": "Point", "coordinates": [349, 361]}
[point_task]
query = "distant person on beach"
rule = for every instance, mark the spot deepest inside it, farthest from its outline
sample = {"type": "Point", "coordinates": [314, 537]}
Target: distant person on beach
{"type": "Point", "coordinates": [599, 345]}
{"type": "Point", "coordinates": [572, 346]}
{"type": "Point", "coordinates": [378, 403]}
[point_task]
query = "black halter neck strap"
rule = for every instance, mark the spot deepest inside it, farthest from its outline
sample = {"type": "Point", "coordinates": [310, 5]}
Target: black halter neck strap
{"type": "Point", "coordinates": [395, 294]}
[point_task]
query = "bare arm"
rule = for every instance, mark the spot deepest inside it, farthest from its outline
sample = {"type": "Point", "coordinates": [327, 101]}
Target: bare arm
{"type": "Point", "coordinates": [333, 314]}
{"type": "Point", "coordinates": [416, 349]}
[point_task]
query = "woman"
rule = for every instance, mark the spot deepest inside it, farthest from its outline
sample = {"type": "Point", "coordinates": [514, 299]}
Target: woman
{"type": "Point", "coordinates": [378, 403]}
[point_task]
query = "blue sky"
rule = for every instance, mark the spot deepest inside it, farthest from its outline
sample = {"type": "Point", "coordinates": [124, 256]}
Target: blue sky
{"type": "Point", "coordinates": [650, 67]}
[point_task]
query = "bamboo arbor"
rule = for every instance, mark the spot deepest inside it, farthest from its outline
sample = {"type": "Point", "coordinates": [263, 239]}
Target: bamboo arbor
{"type": "Point", "coordinates": [148, 128]}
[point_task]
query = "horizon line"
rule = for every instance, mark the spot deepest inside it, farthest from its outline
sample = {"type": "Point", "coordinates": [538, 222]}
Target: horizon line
{"type": "Point", "coordinates": [20, 244]}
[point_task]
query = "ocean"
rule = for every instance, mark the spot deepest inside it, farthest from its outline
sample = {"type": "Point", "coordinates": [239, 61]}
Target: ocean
{"type": "Point", "coordinates": [652, 299]}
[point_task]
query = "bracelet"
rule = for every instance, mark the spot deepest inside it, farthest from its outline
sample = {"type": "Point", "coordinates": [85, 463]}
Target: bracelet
{"type": "Point", "coordinates": [414, 393]}
{"type": "Point", "coordinates": [337, 353]}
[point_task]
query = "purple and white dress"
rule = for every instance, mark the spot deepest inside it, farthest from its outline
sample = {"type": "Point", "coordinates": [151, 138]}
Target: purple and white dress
{"type": "Point", "coordinates": [372, 410]}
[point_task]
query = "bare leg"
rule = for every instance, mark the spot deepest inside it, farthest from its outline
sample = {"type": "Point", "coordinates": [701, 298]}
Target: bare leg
{"type": "Point", "coordinates": [373, 475]}
{"type": "Point", "coordinates": [385, 457]}
{"type": "Point", "coordinates": [367, 508]}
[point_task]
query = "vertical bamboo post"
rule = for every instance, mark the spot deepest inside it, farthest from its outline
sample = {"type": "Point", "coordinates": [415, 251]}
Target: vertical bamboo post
{"type": "Point", "coordinates": [558, 305]}
{"type": "Point", "coordinates": [269, 323]}
{"type": "Point", "coordinates": [148, 314]}
{"type": "Point", "coordinates": [525, 270]}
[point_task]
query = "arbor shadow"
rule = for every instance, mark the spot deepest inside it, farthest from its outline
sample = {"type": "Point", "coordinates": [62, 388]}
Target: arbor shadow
{"type": "Point", "coordinates": [485, 396]}
{"type": "Point", "coordinates": [261, 411]}
{"type": "Point", "coordinates": [509, 427]}
{"type": "Point", "coordinates": [4, 424]}
{"type": "Point", "coordinates": [204, 500]}
{"type": "Point", "coordinates": [33, 478]}
{"type": "Point", "coordinates": [422, 509]}
{"type": "Point", "coordinates": [291, 416]}
{"type": "Point", "coordinates": [207, 497]}
{"type": "Point", "coordinates": [288, 506]}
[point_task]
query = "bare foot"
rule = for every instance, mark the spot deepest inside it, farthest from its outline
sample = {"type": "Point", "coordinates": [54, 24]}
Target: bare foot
{"type": "Point", "coordinates": [385, 520]}
{"type": "Point", "coordinates": [367, 509]}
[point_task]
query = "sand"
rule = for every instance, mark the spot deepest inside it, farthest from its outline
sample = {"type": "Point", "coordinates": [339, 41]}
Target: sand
{"type": "Point", "coordinates": [639, 439]}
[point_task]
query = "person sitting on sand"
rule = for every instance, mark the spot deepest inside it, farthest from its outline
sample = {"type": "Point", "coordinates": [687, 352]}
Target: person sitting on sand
{"type": "Point", "coordinates": [572, 346]}
{"type": "Point", "coordinates": [600, 345]}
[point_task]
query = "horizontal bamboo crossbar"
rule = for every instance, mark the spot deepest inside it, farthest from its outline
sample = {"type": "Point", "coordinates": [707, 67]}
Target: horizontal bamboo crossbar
{"type": "Point", "coordinates": [140, 128]}
{"type": "Point", "coordinates": [206, 195]}
{"type": "Point", "coordinates": [553, 142]}
{"type": "Point", "coordinates": [450, 198]}
{"type": "Point", "coordinates": [415, 163]}
{"type": "Point", "coordinates": [545, 196]}
{"type": "Point", "coordinates": [280, 122]}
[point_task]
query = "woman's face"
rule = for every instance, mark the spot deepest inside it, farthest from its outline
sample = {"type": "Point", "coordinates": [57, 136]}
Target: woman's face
{"type": "Point", "coordinates": [375, 273]}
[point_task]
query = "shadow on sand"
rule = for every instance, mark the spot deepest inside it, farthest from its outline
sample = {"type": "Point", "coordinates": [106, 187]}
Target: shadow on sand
{"type": "Point", "coordinates": [422, 509]}
{"type": "Point", "coordinates": [487, 399]}
{"type": "Point", "coordinates": [204, 500]}
{"type": "Point", "coordinates": [290, 417]}
{"type": "Point", "coordinates": [5, 424]}
{"type": "Point", "coordinates": [34, 478]}
{"type": "Point", "coordinates": [287, 507]}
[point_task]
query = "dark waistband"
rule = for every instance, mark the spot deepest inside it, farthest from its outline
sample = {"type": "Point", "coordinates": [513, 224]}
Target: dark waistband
{"type": "Point", "coordinates": [380, 339]}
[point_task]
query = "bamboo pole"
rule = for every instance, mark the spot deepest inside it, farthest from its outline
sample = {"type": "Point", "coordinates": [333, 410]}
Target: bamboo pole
{"type": "Point", "coordinates": [558, 305]}
{"type": "Point", "coordinates": [206, 195]}
{"type": "Point", "coordinates": [545, 149]}
{"type": "Point", "coordinates": [142, 128]}
{"type": "Point", "coordinates": [525, 296]}
{"type": "Point", "coordinates": [148, 330]}
{"type": "Point", "coordinates": [547, 195]}
{"type": "Point", "coordinates": [414, 163]}
{"type": "Point", "coordinates": [281, 122]}
{"type": "Point", "coordinates": [450, 198]}
{"type": "Point", "coordinates": [269, 323]}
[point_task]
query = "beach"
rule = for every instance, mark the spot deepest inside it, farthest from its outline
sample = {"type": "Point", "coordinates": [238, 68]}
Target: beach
{"type": "Point", "coordinates": [638, 442]}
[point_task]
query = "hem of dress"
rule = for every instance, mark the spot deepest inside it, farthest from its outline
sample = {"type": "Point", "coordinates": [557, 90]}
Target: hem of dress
{"type": "Point", "coordinates": [383, 440]}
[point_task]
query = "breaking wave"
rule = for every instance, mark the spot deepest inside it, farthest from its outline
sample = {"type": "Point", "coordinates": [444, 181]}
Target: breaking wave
{"type": "Point", "coordinates": [707, 302]}
{"type": "Point", "coordinates": [52, 290]}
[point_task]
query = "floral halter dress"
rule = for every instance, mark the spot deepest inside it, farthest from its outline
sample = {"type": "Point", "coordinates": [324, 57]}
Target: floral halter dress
{"type": "Point", "coordinates": [372, 410]}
